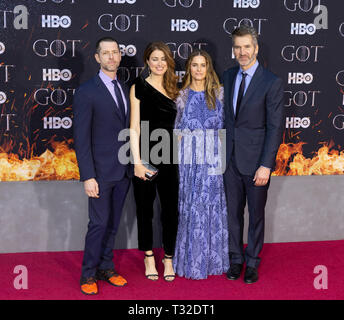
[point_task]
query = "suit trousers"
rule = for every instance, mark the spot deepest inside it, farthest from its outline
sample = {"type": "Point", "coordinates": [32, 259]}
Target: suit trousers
{"type": "Point", "coordinates": [104, 218]}
{"type": "Point", "coordinates": [238, 188]}
{"type": "Point", "coordinates": [166, 184]}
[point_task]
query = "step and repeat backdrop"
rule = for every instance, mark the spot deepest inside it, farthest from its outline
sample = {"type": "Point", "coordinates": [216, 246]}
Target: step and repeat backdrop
{"type": "Point", "coordinates": [47, 49]}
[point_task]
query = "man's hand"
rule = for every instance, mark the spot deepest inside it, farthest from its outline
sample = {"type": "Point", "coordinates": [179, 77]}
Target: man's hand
{"type": "Point", "coordinates": [91, 188]}
{"type": "Point", "coordinates": [262, 176]}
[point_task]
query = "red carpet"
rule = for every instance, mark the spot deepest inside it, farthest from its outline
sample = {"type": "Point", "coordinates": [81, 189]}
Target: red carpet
{"type": "Point", "coordinates": [286, 273]}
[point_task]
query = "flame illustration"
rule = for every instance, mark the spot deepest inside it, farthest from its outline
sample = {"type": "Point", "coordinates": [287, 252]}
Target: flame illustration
{"type": "Point", "coordinates": [58, 165]}
{"type": "Point", "coordinates": [61, 164]}
{"type": "Point", "coordinates": [290, 161]}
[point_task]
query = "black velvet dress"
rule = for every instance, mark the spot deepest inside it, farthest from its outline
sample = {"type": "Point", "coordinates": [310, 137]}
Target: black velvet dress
{"type": "Point", "coordinates": [156, 112]}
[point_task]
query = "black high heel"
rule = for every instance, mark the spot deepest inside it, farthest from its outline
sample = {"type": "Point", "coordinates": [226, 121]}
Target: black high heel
{"type": "Point", "coordinates": [148, 276]}
{"type": "Point", "coordinates": [168, 275]}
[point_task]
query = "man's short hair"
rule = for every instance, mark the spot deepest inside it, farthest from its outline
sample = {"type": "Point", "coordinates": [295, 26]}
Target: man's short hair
{"type": "Point", "coordinates": [245, 30]}
{"type": "Point", "coordinates": [104, 39]}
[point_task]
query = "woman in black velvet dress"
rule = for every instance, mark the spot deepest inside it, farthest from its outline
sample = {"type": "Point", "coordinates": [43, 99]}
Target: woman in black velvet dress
{"type": "Point", "coordinates": [152, 104]}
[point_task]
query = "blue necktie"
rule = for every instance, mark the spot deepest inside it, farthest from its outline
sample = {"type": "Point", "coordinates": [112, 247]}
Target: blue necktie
{"type": "Point", "coordinates": [240, 93]}
{"type": "Point", "coordinates": [120, 101]}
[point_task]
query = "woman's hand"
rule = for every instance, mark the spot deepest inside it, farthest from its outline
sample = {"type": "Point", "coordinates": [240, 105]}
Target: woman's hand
{"type": "Point", "coordinates": [140, 171]}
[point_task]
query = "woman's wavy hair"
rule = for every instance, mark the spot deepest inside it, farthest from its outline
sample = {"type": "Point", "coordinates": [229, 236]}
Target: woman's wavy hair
{"type": "Point", "coordinates": [212, 84]}
{"type": "Point", "coordinates": [170, 79]}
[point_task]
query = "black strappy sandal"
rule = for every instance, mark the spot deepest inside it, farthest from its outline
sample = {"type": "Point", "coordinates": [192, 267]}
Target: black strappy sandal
{"type": "Point", "coordinates": [148, 276]}
{"type": "Point", "coordinates": [173, 276]}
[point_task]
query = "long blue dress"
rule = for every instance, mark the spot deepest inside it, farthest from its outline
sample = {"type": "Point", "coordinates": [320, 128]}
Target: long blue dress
{"type": "Point", "coordinates": [202, 238]}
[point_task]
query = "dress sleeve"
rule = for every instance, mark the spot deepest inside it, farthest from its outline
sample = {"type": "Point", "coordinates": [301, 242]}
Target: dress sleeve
{"type": "Point", "coordinates": [139, 87]}
{"type": "Point", "coordinates": [221, 95]}
{"type": "Point", "coordinates": [220, 99]}
{"type": "Point", "coordinates": [180, 104]}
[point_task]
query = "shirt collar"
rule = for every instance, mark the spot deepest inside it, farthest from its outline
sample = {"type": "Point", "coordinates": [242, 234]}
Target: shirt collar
{"type": "Point", "coordinates": [250, 71]}
{"type": "Point", "coordinates": [106, 79]}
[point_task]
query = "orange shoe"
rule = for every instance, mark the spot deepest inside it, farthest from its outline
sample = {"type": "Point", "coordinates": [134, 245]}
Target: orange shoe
{"type": "Point", "coordinates": [89, 286]}
{"type": "Point", "coordinates": [112, 277]}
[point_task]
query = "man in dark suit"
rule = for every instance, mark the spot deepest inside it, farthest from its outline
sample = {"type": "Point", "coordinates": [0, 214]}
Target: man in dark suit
{"type": "Point", "coordinates": [254, 127]}
{"type": "Point", "coordinates": [101, 111]}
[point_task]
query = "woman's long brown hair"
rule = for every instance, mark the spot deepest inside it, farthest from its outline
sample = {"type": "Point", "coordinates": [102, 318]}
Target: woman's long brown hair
{"type": "Point", "coordinates": [212, 84]}
{"type": "Point", "coordinates": [170, 78]}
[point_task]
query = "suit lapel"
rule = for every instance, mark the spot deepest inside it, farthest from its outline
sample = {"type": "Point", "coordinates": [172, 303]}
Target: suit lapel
{"type": "Point", "coordinates": [256, 80]}
{"type": "Point", "coordinates": [231, 86]}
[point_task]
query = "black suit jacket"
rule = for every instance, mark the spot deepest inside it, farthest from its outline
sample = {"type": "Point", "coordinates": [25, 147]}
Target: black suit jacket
{"type": "Point", "coordinates": [97, 123]}
{"type": "Point", "coordinates": [257, 130]}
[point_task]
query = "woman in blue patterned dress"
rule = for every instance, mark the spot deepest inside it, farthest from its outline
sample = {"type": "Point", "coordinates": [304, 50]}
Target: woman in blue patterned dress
{"type": "Point", "coordinates": [202, 238]}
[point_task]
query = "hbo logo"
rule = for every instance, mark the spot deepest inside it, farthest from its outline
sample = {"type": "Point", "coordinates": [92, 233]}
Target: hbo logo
{"type": "Point", "coordinates": [2, 48]}
{"type": "Point", "coordinates": [295, 122]}
{"type": "Point", "coordinates": [56, 21]}
{"type": "Point", "coordinates": [57, 123]}
{"type": "Point", "coordinates": [299, 78]}
{"type": "Point", "coordinates": [246, 3]}
{"type": "Point", "coordinates": [129, 50]}
{"type": "Point", "coordinates": [3, 97]}
{"type": "Point", "coordinates": [184, 25]}
{"type": "Point", "coordinates": [338, 121]}
{"type": "Point", "coordinates": [302, 28]}
{"type": "Point", "coordinates": [56, 74]}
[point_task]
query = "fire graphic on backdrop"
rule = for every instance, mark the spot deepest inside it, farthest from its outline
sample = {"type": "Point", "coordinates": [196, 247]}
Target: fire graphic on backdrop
{"type": "Point", "coordinates": [61, 164]}
{"type": "Point", "coordinates": [58, 165]}
{"type": "Point", "coordinates": [290, 161]}
{"type": "Point", "coordinates": [18, 161]}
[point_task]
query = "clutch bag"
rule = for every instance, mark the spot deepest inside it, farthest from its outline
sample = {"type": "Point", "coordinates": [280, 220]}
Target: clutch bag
{"type": "Point", "coordinates": [148, 175]}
